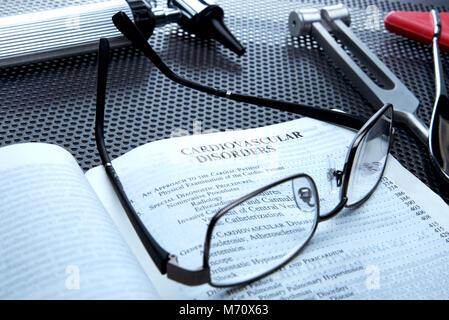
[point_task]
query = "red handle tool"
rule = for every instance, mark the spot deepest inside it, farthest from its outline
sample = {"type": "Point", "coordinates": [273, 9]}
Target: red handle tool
{"type": "Point", "coordinates": [418, 26]}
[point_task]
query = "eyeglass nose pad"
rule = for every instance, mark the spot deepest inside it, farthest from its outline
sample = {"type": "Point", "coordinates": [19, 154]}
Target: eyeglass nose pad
{"type": "Point", "coordinates": [330, 175]}
{"type": "Point", "coordinates": [305, 194]}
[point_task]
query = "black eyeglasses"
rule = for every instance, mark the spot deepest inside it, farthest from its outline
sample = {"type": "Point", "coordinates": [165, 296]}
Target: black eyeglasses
{"type": "Point", "coordinates": [229, 263]}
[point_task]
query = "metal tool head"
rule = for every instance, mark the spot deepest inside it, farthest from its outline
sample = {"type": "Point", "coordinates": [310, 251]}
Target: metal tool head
{"type": "Point", "coordinates": [300, 21]}
{"type": "Point", "coordinates": [379, 85]}
{"type": "Point", "coordinates": [205, 19]}
{"type": "Point", "coordinates": [336, 12]}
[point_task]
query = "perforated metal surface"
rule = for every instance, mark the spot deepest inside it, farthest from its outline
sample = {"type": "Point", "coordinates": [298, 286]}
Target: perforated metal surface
{"type": "Point", "coordinates": [55, 101]}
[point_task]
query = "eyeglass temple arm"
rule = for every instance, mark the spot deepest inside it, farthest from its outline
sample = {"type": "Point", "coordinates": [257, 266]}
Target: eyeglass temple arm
{"type": "Point", "coordinates": [134, 35]}
{"type": "Point", "coordinates": [159, 255]}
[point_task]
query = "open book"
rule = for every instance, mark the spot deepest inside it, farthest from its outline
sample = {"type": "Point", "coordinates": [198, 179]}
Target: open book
{"type": "Point", "coordinates": [64, 235]}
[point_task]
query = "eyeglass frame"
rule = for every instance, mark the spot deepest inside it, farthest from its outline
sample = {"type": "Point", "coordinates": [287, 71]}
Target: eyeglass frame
{"type": "Point", "coordinates": [345, 174]}
{"type": "Point", "coordinates": [164, 261]}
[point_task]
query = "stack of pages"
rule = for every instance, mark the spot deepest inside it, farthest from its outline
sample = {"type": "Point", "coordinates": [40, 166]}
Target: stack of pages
{"type": "Point", "coordinates": [64, 235]}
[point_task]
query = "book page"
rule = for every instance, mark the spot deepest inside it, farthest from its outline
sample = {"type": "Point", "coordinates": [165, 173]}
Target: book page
{"type": "Point", "coordinates": [56, 239]}
{"type": "Point", "coordinates": [395, 246]}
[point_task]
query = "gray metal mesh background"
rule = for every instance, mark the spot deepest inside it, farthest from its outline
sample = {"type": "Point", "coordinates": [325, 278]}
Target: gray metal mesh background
{"type": "Point", "coordinates": [54, 101]}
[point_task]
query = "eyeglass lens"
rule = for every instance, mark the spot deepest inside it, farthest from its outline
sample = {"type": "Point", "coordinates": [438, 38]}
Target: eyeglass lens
{"type": "Point", "coordinates": [244, 246]}
{"type": "Point", "coordinates": [370, 159]}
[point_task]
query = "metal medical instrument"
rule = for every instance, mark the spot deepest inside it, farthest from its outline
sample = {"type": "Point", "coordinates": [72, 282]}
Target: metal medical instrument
{"type": "Point", "coordinates": [319, 23]}
{"type": "Point", "coordinates": [439, 123]}
{"type": "Point", "coordinates": [74, 30]}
